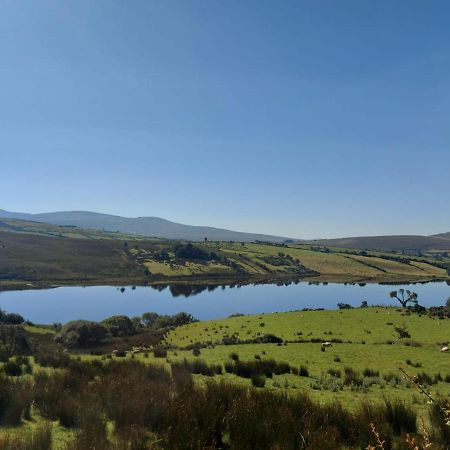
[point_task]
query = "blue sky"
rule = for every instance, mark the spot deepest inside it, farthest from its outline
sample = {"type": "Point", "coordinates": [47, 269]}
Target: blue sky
{"type": "Point", "coordinates": [298, 118]}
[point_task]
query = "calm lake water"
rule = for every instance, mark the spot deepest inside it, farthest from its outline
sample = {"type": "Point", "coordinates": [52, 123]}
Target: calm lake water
{"type": "Point", "coordinates": [98, 302]}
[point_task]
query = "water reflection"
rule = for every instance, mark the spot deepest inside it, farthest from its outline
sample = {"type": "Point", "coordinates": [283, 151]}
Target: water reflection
{"type": "Point", "coordinates": [204, 301]}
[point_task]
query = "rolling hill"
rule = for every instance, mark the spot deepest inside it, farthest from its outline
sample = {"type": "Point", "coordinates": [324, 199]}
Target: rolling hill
{"type": "Point", "coordinates": [407, 243]}
{"type": "Point", "coordinates": [144, 226]}
{"type": "Point", "coordinates": [43, 254]}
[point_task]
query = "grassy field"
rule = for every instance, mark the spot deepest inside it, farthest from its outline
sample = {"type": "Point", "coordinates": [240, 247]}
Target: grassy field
{"type": "Point", "coordinates": [366, 338]}
{"type": "Point", "coordinates": [85, 397]}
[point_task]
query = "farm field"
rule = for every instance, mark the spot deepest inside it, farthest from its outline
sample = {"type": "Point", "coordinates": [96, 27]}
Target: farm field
{"type": "Point", "coordinates": [365, 338]}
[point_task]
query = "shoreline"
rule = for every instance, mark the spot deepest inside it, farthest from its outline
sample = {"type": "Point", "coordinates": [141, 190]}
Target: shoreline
{"type": "Point", "coordinates": [9, 285]}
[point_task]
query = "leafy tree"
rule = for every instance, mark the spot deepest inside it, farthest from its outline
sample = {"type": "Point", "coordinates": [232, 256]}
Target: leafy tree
{"type": "Point", "coordinates": [11, 318]}
{"type": "Point", "coordinates": [405, 296]}
{"type": "Point", "coordinates": [193, 252]}
{"type": "Point", "coordinates": [177, 320]}
{"type": "Point", "coordinates": [81, 333]}
{"type": "Point", "coordinates": [149, 318]}
{"type": "Point", "coordinates": [119, 326]}
{"type": "Point", "coordinates": [344, 306]}
{"type": "Point", "coordinates": [13, 340]}
{"type": "Point", "coordinates": [137, 323]}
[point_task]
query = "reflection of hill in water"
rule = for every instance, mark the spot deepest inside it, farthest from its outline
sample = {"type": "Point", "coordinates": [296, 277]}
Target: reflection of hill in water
{"type": "Point", "coordinates": [188, 290]}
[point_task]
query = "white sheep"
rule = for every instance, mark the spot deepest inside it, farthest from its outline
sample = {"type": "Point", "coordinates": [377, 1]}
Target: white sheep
{"type": "Point", "coordinates": [327, 344]}
{"type": "Point", "coordinates": [444, 349]}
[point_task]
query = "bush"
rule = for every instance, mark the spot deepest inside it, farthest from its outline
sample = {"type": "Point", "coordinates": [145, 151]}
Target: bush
{"type": "Point", "coordinates": [234, 356]}
{"type": "Point", "coordinates": [352, 377]}
{"type": "Point", "coordinates": [119, 326]}
{"type": "Point", "coordinates": [303, 371]}
{"type": "Point", "coordinates": [13, 340]}
{"type": "Point", "coordinates": [268, 339]}
{"type": "Point", "coordinates": [193, 252]}
{"type": "Point", "coordinates": [439, 416]}
{"type": "Point", "coordinates": [402, 332]}
{"type": "Point", "coordinates": [258, 381]}
{"type": "Point", "coordinates": [371, 373]}
{"type": "Point", "coordinates": [334, 373]}
{"type": "Point", "coordinates": [160, 351]}
{"type": "Point", "coordinates": [56, 360]}
{"type": "Point", "coordinates": [401, 417]}
{"type": "Point", "coordinates": [12, 369]}
{"type": "Point", "coordinates": [81, 333]}
{"type": "Point", "coordinates": [344, 306]}
{"type": "Point", "coordinates": [424, 379]}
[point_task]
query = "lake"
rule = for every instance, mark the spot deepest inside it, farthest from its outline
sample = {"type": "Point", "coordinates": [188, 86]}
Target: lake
{"type": "Point", "coordinates": [98, 302]}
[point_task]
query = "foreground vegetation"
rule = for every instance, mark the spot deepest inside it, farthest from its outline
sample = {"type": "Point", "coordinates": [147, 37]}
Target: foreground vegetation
{"type": "Point", "coordinates": [130, 405]}
{"type": "Point", "coordinates": [39, 255]}
{"type": "Point", "coordinates": [299, 380]}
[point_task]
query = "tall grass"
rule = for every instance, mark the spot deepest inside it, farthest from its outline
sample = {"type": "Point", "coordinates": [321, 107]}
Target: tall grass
{"type": "Point", "coordinates": [38, 437]}
{"type": "Point", "coordinates": [146, 403]}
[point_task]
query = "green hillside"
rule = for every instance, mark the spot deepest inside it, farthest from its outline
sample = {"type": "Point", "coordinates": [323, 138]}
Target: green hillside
{"type": "Point", "coordinates": [41, 254]}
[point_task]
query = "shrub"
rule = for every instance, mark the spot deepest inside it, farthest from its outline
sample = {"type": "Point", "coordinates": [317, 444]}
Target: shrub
{"type": "Point", "coordinates": [13, 341]}
{"type": "Point", "coordinates": [371, 373]}
{"type": "Point", "coordinates": [12, 369]}
{"type": "Point", "coordinates": [196, 351]}
{"type": "Point", "coordinates": [53, 359]}
{"type": "Point", "coordinates": [119, 326]}
{"type": "Point", "coordinates": [160, 351]}
{"type": "Point", "coordinates": [193, 252]}
{"type": "Point", "coordinates": [281, 368]}
{"type": "Point", "coordinates": [344, 306]}
{"type": "Point", "coordinates": [258, 381]}
{"type": "Point", "coordinates": [401, 417]}
{"type": "Point", "coordinates": [424, 378]}
{"type": "Point", "coordinates": [234, 356]}
{"type": "Point", "coordinates": [439, 416]}
{"type": "Point", "coordinates": [334, 373]}
{"type": "Point", "coordinates": [352, 377]}
{"type": "Point", "coordinates": [15, 400]}
{"type": "Point", "coordinates": [269, 339]}
{"type": "Point", "coordinates": [402, 332]}
{"type": "Point", "coordinates": [81, 333]}
{"type": "Point", "coordinates": [303, 371]}
{"type": "Point", "coordinates": [229, 367]}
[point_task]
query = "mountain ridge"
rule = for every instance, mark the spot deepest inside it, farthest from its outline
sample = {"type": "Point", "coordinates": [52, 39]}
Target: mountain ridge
{"type": "Point", "coordinates": [145, 226]}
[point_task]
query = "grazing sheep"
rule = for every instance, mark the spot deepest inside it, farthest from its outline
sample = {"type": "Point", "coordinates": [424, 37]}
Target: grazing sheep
{"type": "Point", "coordinates": [444, 349]}
{"type": "Point", "coordinates": [327, 344]}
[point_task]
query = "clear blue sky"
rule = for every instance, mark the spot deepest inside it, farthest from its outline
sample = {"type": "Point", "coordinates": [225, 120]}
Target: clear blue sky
{"type": "Point", "coordinates": [298, 118]}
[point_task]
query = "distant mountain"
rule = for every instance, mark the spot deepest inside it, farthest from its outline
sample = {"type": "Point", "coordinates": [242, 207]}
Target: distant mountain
{"type": "Point", "coordinates": [145, 226]}
{"type": "Point", "coordinates": [442, 235]}
{"type": "Point", "coordinates": [410, 243]}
